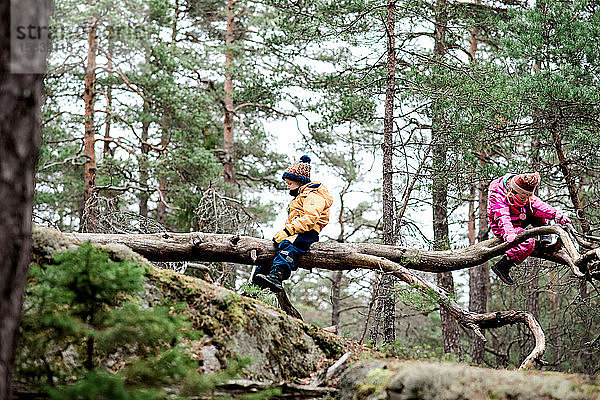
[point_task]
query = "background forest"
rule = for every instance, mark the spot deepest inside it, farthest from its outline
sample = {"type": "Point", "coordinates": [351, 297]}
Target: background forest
{"type": "Point", "coordinates": [177, 115]}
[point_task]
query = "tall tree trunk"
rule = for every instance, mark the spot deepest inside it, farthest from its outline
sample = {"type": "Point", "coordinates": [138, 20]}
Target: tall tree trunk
{"type": "Point", "coordinates": [20, 101]}
{"type": "Point", "coordinates": [555, 328]}
{"type": "Point", "coordinates": [474, 40]}
{"type": "Point", "coordinates": [572, 187]}
{"type": "Point", "coordinates": [336, 276]}
{"type": "Point", "coordinates": [533, 287]}
{"type": "Point", "coordinates": [109, 64]}
{"type": "Point", "coordinates": [479, 276]}
{"type": "Point", "coordinates": [388, 129]}
{"type": "Point", "coordinates": [161, 210]}
{"type": "Point", "coordinates": [106, 148]}
{"type": "Point", "coordinates": [228, 161]}
{"type": "Point", "coordinates": [386, 304]}
{"type": "Point", "coordinates": [563, 162]}
{"type": "Point", "coordinates": [336, 297]}
{"type": "Point", "coordinates": [585, 353]}
{"type": "Point", "coordinates": [450, 328]}
{"type": "Point", "coordinates": [471, 232]}
{"type": "Point", "coordinates": [477, 291]}
{"type": "Point", "coordinates": [143, 160]}
{"type": "Point", "coordinates": [89, 216]}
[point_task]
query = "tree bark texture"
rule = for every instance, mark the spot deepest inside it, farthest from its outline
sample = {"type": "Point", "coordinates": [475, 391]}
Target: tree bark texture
{"type": "Point", "coordinates": [165, 137]}
{"type": "Point", "coordinates": [161, 208]}
{"type": "Point", "coordinates": [563, 165]}
{"type": "Point", "coordinates": [479, 276]}
{"type": "Point", "coordinates": [388, 130]}
{"type": "Point", "coordinates": [532, 287]}
{"type": "Point", "coordinates": [336, 297]}
{"type": "Point", "coordinates": [385, 308]}
{"type": "Point", "coordinates": [20, 100]}
{"type": "Point", "coordinates": [109, 65]}
{"type": "Point", "coordinates": [89, 136]}
{"type": "Point", "coordinates": [450, 328]}
{"type": "Point", "coordinates": [336, 276]}
{"type": "Point", "coordinates": [585, 355]}
{"type": "Point", "coordinates": [228, 150]}
{"type": "Point", "coordinates": [143, 163]}
{"type": "Point", "coordinates": [385, 305]}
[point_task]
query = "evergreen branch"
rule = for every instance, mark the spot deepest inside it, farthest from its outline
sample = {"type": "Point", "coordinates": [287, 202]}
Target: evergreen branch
{"type": "Point", "coordinates": [46, 121]}
{"type": "Point", "coordinates": [124, 79]}
{"type": "Point", "coordinates": [361, 16]}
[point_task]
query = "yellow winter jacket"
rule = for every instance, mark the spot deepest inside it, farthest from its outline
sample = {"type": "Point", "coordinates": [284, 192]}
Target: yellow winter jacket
{"type": "Point", "coordinates": [310, 209]}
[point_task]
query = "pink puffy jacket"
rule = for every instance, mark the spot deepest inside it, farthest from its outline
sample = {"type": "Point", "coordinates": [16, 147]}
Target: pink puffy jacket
{"type": "Point", "coordinates": [504, 216]}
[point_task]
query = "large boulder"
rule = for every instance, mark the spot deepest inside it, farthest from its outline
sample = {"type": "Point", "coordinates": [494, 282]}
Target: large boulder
{"type": "Point", "coordinates": [232, 326]}
{"type": "Point", "coordinates": [236, 326]}
{"type": "Point", "coordinates": [404, 380]}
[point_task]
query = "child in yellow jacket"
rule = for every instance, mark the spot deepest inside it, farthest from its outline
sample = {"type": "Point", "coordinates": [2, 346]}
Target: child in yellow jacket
{"type": "Point", "coordinates": [308, 213]}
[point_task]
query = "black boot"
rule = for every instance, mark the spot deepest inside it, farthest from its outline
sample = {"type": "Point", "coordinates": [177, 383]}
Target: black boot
{"type": "Point", "coordinates": [271, 281]}
{"type": "Point", "coordinates": [258, 282]}
{"type": "Point", "coordinates": [502, 268]}
{"type": "Point", "coordinates": [261, 270]}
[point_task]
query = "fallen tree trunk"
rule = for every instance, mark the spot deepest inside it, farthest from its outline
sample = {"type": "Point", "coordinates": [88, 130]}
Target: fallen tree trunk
{"type": "Point", "coordinates": [213, 247]}
{"type": "Point", "coordinates": [397, 261]}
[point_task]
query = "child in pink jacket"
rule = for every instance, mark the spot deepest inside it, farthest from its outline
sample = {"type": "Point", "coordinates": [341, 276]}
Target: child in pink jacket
{"type": "Point", "coordinates": [512, 207]}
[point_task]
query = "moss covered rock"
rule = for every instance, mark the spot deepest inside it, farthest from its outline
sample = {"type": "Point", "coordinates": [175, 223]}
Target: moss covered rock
{"type": "Point", "coordinates": [281, 347]}
{"type": "Point", "coordinates": [403, 380]}
{"type": "Point", "coordinates": [231, 326]}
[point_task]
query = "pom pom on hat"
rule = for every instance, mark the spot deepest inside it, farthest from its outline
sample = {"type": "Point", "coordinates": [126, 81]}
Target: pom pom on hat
{"type": "Point", "coordinates": [300, 171]}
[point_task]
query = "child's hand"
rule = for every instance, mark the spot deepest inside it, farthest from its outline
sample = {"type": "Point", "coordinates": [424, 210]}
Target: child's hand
{"type": "Point", "coordinates": [561, 219]}
{"type": "Point", "coordinates": [279, 236]}
{"type": "Point", "coordinates": [510, 237]}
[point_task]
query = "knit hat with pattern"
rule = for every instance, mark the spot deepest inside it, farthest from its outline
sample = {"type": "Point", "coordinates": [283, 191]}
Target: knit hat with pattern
{"type": "Point", "coordinates": [300, 171]}
{"type": "Point", "coordinates": [525, 184]}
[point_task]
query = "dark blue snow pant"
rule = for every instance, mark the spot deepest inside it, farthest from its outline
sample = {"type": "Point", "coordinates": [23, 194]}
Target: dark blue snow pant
{"type": "Point", "coordinates": [288, 252]}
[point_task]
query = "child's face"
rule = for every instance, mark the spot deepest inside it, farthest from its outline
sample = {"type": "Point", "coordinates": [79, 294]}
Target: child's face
{"type": "Point", "coordinates": [291, 185]}
{"type": "Point", "coordinates": [520, 200]}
